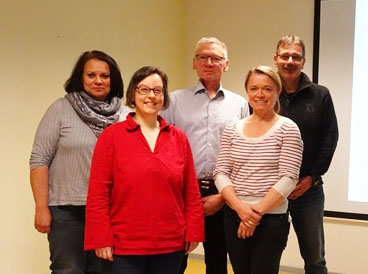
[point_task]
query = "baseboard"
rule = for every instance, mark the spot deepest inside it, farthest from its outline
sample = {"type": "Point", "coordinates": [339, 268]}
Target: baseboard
{"type": "Point", "coordinates": [288, 269]}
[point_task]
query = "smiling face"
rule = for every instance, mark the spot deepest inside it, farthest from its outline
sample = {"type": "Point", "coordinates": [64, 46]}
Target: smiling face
{"type": "Point", "coordinates": [96, 79]}
{"type": "Point", "coordinates": [262, 93]}
{"type": "Point", "coordinates": [210, 69]}
{"type": "Point", "coordinates": [149, 104]}
{"type": "Point", "coordinates": [289, 61]}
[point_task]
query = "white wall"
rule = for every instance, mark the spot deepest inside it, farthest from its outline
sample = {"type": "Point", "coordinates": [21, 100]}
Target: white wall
{"type": "Point", "coordinates": [40, 41]}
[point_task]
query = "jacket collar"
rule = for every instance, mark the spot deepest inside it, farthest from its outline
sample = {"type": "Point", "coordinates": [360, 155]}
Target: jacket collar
{"type": "Point", "coordinates": [304, 83]}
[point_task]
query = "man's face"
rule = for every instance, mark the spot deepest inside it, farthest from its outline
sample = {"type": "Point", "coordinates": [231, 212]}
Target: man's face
{"type": "Point", "coordinates": [210, 61]}
{"type": "Point", "coordinates": [289, 62]}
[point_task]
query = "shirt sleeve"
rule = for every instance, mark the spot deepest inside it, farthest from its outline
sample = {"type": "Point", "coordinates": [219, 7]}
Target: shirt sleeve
{"type": "Point", "coordinates": [329, 135]}
{"type": "Point", "coordinates": [224, 163]}
{"type": "Point", "coordinates": [98, 230]}
{"type": "Point", "coordinates": [194, 217]}
{"type": "Point", "coordinates": [290, 159]}
{"type": "Point", "coordinates": [285, 186]}
{"type": "Point", "coordinates": [47, 137]}
{"type": "Point", "coordinates": [222, 181]}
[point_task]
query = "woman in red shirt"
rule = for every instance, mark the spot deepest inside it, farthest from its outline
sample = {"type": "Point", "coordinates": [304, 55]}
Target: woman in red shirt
{"type": "Point", "coordinates": [144, 210]}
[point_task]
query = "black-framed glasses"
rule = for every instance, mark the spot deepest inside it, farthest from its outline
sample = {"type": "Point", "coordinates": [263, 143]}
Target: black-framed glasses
{"type": "Point", "coordinates": [214, 59]}
{"type": "Point", "coordinates": [144, 90]}
{"type": "Point", "coordinates": [286, 57]}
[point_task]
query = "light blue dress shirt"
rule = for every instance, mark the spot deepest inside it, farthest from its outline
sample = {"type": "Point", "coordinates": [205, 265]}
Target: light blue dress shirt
{"type": "Point", "coordinates": [203, 120]}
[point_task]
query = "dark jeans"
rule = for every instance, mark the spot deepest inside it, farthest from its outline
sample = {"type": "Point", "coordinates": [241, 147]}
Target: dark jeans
{"type": "Point", "coordinates": [307, 218]}
{"type": "Point", "coordinates": [66, 241]}
{"type": "Point", "coordinates": [215, 252]}
{"type": "Point", "coordinates": [167, 263]}
{"type": "Point", "coordinates": [261, 253]}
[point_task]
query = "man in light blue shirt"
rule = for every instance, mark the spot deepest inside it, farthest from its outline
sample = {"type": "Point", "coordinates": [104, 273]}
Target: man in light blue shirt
{"type": "Point", "coordinates": [202, 112]}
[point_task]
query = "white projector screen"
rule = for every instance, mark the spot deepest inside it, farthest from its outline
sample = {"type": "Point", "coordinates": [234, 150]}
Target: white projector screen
{"type": "Point", "coordinates": [342, 67]}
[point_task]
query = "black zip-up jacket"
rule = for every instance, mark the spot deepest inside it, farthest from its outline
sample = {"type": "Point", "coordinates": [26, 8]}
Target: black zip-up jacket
{"type": "Point", "coordinates": [312, 109]}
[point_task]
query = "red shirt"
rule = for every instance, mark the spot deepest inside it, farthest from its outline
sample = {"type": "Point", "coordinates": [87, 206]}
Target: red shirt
{"type": "Point", "coordinates": [139, 201]}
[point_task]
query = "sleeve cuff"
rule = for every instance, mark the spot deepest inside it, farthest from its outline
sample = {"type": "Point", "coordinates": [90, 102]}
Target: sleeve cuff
{"type": "Point", "coordinates": [222, 181]}
{"type": "Point", "coordinates": [285, 186]}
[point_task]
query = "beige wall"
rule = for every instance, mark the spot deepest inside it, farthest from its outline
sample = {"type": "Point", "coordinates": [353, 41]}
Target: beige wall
{"type": "Point", "coordinates": [250, 30]}
{"type": "Point", "coordinates": [40, 41]}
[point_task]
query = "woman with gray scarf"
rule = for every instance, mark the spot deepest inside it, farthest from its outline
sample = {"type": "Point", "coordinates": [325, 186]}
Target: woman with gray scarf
{"type": "Point", "coordinates": [61, 156]}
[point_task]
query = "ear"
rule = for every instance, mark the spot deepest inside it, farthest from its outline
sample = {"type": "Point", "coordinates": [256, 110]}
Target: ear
{"type": "Point", "coordinates": [303, 63]}
{"type": "Point", "coordinates": [275, 59]}
{"type": "Point", "coordinates": [226, 67]}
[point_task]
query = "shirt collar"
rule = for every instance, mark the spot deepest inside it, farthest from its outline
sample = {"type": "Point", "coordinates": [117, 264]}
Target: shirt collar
{"type": "Point", "coordinates": [199, 88]}
{"type": "Point", "coordinates": [133, 125]}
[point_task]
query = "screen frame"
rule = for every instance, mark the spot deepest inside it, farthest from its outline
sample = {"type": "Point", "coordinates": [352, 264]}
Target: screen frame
{"type": "Point", "coordinates": [315, 73]}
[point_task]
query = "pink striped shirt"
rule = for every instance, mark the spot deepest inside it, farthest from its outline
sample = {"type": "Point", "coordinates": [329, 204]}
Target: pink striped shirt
{"type": "Point", "coordinates": [254, 165]}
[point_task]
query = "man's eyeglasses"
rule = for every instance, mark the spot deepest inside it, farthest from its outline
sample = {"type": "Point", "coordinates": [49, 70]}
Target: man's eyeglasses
{"type": "Point", "coordinates": [214, 59]}
{"type": "Point", "coordinates": [295, 58]}
{"type": "Point", "coordinates": [144, 90]}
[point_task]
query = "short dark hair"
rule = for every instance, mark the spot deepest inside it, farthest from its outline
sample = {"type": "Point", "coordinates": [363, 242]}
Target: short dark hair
{"type": "Point", "coordinates": [141, 74]}
{"type": "Point", "coordinates": [290, 40]}
{"type": "Point", "coordinates": [75, 81]}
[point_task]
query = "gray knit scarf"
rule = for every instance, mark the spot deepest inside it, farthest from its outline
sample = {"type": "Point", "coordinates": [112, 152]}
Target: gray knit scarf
{"type": "Point", "coordinates": [96, 114]}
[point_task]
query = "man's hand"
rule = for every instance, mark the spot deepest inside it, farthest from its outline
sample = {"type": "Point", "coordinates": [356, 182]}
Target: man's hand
{"type": "Point", "coordinates": [42, 220]}
{"type": "Point", "coordinates": [302, 187]}
{"type": "Point", "coordinates": [105, 253]}
{"type": "Point", "coordinates": [212, 204]}
{"type": "Point", "coordinates": [190, 246]}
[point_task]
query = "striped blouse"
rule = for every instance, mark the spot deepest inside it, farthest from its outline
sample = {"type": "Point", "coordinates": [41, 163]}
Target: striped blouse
{"type": "Point", "coordinates": [64, 144]}
{"type": "Point", "coordinates": [254, 165]}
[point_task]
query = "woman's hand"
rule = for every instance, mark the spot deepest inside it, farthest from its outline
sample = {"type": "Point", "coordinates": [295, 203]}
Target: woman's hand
{"type": "Point", "coordinates": [40, 188]}
{"type": "Point", "coordinates": [190, 246]}
{"type": "Point", "coordinates": [245, 231]}
{"type": "Point", "coordinates": [248, 215]}
{"type": "Point", "coordinates": [105, 253]}
{"type": "Point", "coordinates": [42, 221]}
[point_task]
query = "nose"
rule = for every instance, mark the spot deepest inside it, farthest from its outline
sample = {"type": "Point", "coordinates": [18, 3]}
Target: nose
{"type": "Point", "coordinates": [290, 59]}
{"type": "Point", "coordinates": [209, 61]}
{"type": "Point", "coordinates": [98, 80]}
{"type": "Point", "coordinates": [260, 92]}
{"type": "Point", "coordinates": [151, 93]}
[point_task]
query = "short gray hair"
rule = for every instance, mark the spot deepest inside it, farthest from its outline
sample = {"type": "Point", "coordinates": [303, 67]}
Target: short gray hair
{"type": "Point", "coordinates": [214, 40]}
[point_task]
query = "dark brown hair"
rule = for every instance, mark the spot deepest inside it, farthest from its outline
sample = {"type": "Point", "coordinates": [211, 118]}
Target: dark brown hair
{"type": "Point", "coordinates": [141, 74]}
{"type": "Point", "coordinates": [75, 81]}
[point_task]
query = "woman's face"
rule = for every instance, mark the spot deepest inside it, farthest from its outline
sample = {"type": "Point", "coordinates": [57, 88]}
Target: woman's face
{"type": "Point", "coordinates": [262, 93]}
{"type": "Point", "coordinates": [152, 102]}
{"type": "Point", "coordinates": [96, 79]}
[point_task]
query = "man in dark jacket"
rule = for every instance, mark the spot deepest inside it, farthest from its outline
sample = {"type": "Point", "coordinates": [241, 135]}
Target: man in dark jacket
{"type": "Point", "coordinates": [311, 107]}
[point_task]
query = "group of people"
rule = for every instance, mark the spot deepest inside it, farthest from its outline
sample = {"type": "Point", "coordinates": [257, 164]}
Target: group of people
{"type": "Point", "coordinates": [134, 189]}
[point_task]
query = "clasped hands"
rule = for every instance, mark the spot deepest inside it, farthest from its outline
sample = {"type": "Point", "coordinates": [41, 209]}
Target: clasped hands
{"type": "Point", "coordinates": [249, 215]}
